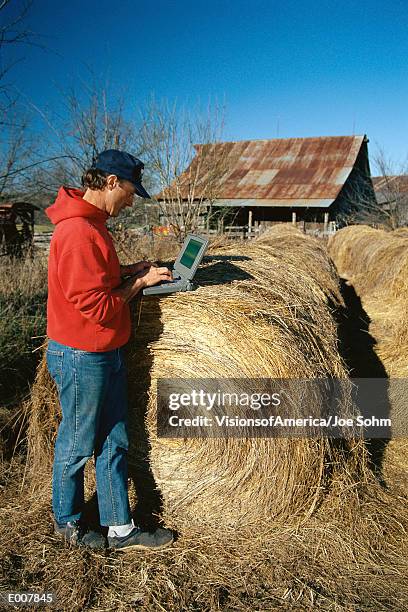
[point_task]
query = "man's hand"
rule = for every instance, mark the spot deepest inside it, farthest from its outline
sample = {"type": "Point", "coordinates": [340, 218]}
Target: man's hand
{"type": "Point", "coordinates": [147, 277]}
{"type": "Point", "coordinates": [155, 275]}
{"type": "Point", "coordinates": [136, 268]}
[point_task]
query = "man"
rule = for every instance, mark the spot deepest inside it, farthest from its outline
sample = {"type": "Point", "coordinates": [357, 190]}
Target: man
{"type": "Point", "coordinates": [88, 323]}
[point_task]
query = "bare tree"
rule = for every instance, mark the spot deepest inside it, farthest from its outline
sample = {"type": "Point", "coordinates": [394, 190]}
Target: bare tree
{"type": "Point", "coordinates": [391, 186]}
{"type": "Point", "coordinates": [392, 197]}
{"type": "Point", "coordinates": [92, 120]}
{"type": "Point", "coordinates": [13, 32]}
{"type": "Point", "coordinates": [15, 150]}
{"type": "Point", "coordinates": [188, 184]}
{"type": "Point", "coordinates": [390, 207]}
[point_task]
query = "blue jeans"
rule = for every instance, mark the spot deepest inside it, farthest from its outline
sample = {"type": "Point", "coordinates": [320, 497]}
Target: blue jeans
{"type": "Point", "coordinates": [93, 396]}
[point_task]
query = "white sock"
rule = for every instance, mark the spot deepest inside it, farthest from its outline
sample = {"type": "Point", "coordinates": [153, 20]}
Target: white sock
{"type": "Point", "coordinates": [120, 531]}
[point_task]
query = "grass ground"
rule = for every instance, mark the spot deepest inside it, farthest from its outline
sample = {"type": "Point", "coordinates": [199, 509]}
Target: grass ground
{"type": "Point", "coordinates": [43, 228]}
{"type": "Point", "coordinates": [40, 228]}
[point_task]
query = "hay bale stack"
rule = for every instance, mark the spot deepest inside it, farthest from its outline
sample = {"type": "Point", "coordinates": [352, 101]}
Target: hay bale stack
{"type": "Point", "coordinates": [342, 247]}
{"type": "Point", "coordinates": [373, 260]}
{"type": "Point", "coordinates": [376, 263]}
{"type": "Point", "coordinates": [305, 254]}
{"type": "Point", "coordinates": [259, 313]}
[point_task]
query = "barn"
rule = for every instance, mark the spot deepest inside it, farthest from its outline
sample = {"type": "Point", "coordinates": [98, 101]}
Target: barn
{"type": "Point", "coordinates": [278, 180]}
{"type": "Point", "coordinates": [392, 196]}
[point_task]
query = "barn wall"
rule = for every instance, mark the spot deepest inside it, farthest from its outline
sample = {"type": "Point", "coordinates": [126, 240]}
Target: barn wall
{"type": "Point", "coordinates": [357, 192]}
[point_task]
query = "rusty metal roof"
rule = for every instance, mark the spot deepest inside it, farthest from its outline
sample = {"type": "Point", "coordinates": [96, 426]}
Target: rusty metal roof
{"type": "Point", "coordinates": [280, 172]}
{"type": "Point", "coordinates": [393, 188]}
{"type": "Point", "coordinates": [397, 182]}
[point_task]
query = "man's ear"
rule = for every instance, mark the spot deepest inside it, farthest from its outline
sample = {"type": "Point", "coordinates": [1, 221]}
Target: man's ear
{"type": "Point", "coordinates": [111, 181]}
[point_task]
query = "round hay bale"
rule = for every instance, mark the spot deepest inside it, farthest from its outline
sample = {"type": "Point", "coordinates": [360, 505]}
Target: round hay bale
{"type": "Point", "coordinates": [373, 260]}
{"type": "Point", "coordinates": [376, 263]}
{"type": "Point", "coordinates": [261, 311]}
{"type": "Point", "coordinates": [305, 253]}
{"type": "Point", "coordinates": [279, 229]}
{"type": "Point", "coordinates": [268, 319]}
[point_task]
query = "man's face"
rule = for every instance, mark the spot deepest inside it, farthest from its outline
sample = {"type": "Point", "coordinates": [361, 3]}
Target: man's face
{"type": "Point", "coordinates": [119, 195]}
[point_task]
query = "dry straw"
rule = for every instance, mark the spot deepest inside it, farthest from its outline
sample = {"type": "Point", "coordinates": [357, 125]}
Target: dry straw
{"type": "Point", "coordinates": [375, 262]}
{"type": "Point", "coordinates": [263, 524]}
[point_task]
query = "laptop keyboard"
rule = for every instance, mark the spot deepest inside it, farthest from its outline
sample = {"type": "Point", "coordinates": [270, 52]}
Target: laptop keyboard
{"type": "Point", "coordinates": [168, 283]}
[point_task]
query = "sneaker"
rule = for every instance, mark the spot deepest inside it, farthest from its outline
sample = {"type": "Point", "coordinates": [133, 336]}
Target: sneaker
{"type": "Point", "coordinates": [77, 533]}
{"type": "Point", "coordinates": [142, 540]}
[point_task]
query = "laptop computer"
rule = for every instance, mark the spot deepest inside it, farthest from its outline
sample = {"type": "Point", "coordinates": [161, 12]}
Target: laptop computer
{"type": "Point", "coordinates": [184, 267]}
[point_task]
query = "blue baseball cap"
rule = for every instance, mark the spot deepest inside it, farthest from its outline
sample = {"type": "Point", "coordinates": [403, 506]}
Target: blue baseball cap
{"type": "Point", "coordinates": [124, 166]}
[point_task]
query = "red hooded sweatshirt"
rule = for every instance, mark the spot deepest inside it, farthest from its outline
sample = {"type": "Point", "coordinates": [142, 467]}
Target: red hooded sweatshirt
{"type": "Point", "coordinates": [83, 269]}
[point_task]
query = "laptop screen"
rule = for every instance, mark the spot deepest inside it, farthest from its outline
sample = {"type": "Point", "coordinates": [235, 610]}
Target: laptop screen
{"type": "Point", "coordinates": [190, 253]}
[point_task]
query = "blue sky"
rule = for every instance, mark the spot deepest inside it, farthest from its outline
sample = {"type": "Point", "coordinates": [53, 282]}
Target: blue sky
{"type": "Point", "coordinates": [283, 69]}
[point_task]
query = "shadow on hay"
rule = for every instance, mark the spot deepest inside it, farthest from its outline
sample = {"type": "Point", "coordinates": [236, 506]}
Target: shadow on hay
{"type": "Point", "coordinates": [222, 272]}
{"type": "Point", "coordinates": [226, 258]}
{"type": "Point", "coordinates": [356, 346]}
{"type": "Point", "coordinates": [218, 270]}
